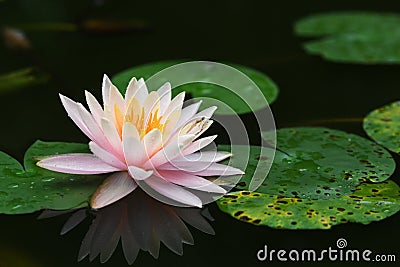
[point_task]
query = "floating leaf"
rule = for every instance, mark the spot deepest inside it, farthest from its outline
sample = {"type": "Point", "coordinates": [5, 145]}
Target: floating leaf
{"type": "Point", "coordinates": [210, 92]}
{"type": "Point", "coordinates": [383, 125]}
{"type": "Point", "coordinates": [21, 78]}
{"type": "Point", "coordinates": [32, 189]}
{"type": "Point", "coordinates": [359, 37]}
{"type": "Point", "coordinates": [370, 202]}
{"type": "Point", "coordinates": [316, 163]}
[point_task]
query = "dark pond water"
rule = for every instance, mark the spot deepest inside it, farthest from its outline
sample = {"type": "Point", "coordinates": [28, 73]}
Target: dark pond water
{"type": "Point", "coordinates": [257, 34]}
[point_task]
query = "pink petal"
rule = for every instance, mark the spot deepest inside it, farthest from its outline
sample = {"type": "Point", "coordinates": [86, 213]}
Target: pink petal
{"type": "Point", "coordinates": [191, 181]}
{"type": "Point", "coordinates": [93, 127]}
{"type": "Point", "coordinates": [94, 107]}
{"type": "Point", "coordinates": [202, 168]}
{"type": "Point", "coordinates": [170, 152]}
{"type": "Point", "coordinates": [133, 151]}
{"type": "Point", "coordinates": [199, 144]}
{"type": "Point", "coordinates": [112, 136]}
{"type": "Point", "coordinates": [171, 191]}
{"type": "Point", "coordinates": [138, 173]}
{"type": "Point", "coordinates": [106, 156]}
{"type": "Point", "coordinates": [115, 187]}
{"type": "Point", "coordinates": [72, 109]}
{"type": "Point", "coordinates": [78, 163]}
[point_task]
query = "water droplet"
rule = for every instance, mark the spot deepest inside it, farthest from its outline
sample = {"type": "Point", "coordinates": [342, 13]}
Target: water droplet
{"type": "Point", "coordinates": [13, 186]}
{"type": "Point", "coordinates": [48, 179]}
{"type": "Point", "coordinates": [16, 207]}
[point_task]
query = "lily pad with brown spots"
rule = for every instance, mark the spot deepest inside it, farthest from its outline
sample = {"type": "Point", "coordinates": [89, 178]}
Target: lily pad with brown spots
{"type": "Point", "coordinates": [383, 125]}
{"type": "Point", "coordinates": [370, 202]}
{"type": "Point", "coordinates": [316, 163]}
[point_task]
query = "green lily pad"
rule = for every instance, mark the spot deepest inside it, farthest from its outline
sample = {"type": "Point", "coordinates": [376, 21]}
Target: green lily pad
{"type": "Point", "coordinates": [33, 188]}
{"type": "Point", "coordinates": [358, 37]}
{"type": "Point", "coordinates": [21, 79]}
{"type": "Point", "coordinates": [370, 202]}
{"type": "Point", "coordinates": [383, 126]}
{"type": "Point", "coordinates": [315, 163]}
{"type": "Point", "coordinates": [248, 98]}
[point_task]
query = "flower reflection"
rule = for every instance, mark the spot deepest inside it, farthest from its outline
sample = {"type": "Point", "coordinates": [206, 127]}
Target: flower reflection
{"type": "Point", "coordinates": [140, 222]}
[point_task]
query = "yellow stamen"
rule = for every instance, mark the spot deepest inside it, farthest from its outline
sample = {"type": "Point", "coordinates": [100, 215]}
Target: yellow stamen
{"type": "Point", "coordinates": [154, 122]}
{"type": "Point", "coordinates": [119, 119]}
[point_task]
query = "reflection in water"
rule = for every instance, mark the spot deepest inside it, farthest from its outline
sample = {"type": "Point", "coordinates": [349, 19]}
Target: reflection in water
{"type": "Point", "coordinates": [140, 222]}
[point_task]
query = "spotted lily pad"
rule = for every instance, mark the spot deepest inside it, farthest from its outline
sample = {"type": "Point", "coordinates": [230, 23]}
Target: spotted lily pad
{"type": "Point", "coordinates": [370, 202]}
{"type": "Point", "coordinates": [315, 163]}
{"type": "Point", "coordinates": [25, 190]}
{"type": "Point", "coordinates": [249, 97]}
{"type": "Point", "coordinates": [359, 37]}
{"type": "Point", "coordinates": [383, 125]}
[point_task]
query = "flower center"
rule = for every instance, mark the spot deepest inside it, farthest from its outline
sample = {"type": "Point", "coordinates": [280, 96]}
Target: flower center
{"type": "Point", "coordinates": [136, 115]}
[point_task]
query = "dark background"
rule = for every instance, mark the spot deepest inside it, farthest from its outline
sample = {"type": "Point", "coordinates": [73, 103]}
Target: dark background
{"type": "Point", "coordinates": [258, 34]}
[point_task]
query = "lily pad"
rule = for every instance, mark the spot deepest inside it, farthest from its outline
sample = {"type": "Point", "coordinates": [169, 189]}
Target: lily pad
{"type": "Point", "coordinates": [21, 79]}
{"type": "Point", "coordinates": [358, 37]}
{"type": "Point", "coordinates": [370, 202]}
{"type": "Point", "coordinates": [383, 126]}
{"type": "Point", "coordinates": [315, 163]}
{"type": "Point", "coordinates": [244, 98]}
{"type": "Point", "coordinates": [33, 188]}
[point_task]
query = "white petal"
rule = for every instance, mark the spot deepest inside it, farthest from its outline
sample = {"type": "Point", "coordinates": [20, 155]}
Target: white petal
{"type": "Point", "coordinates": [188, 113]}
{"type": "Point", "coordinates": [133, 151]}
{"type": "Point", "coordinates": [129, 131]}
{"type": "Point", "coordinates": [77, 163]}
{"type": "Point", "coordinates": [207, 113]}
{"type": "Point", "coordinates": [152, 142]}
{"type": "Point", "coordinates": [115, 187]}
{"type": "Point", "coordinates": [170, 152]}
{"type": "Point", "coordinates": [138, 173]}
{"type": "Point", "coordinates": [107, 156]}
{"type": "Point", "coordinates": [199, 144]}
{"type": "Point", "coordinates": [136, 89]}
{"type": "Point", "coordinates": [94, 107]}
{"type": "Point", "coordinates": [116, 99]}
{"type": "Point", "coordinates": [150, 105]}
{"type": "Point", "coordinates": [131, 89]}
{"type": "Point", "coordinates": [175, 104]}
{"type": "Point", "coordinates": [106, 90]}
{"type": "Point", "coordinates": [170, 123]}
{"type": "Point", "coordinates": [205, 156]}
{"type": "Point", "coordinates": [164, 93]}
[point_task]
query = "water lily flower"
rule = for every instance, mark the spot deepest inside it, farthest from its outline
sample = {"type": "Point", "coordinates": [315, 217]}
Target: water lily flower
{"type": "Point", "coordinates": [144, 139]}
